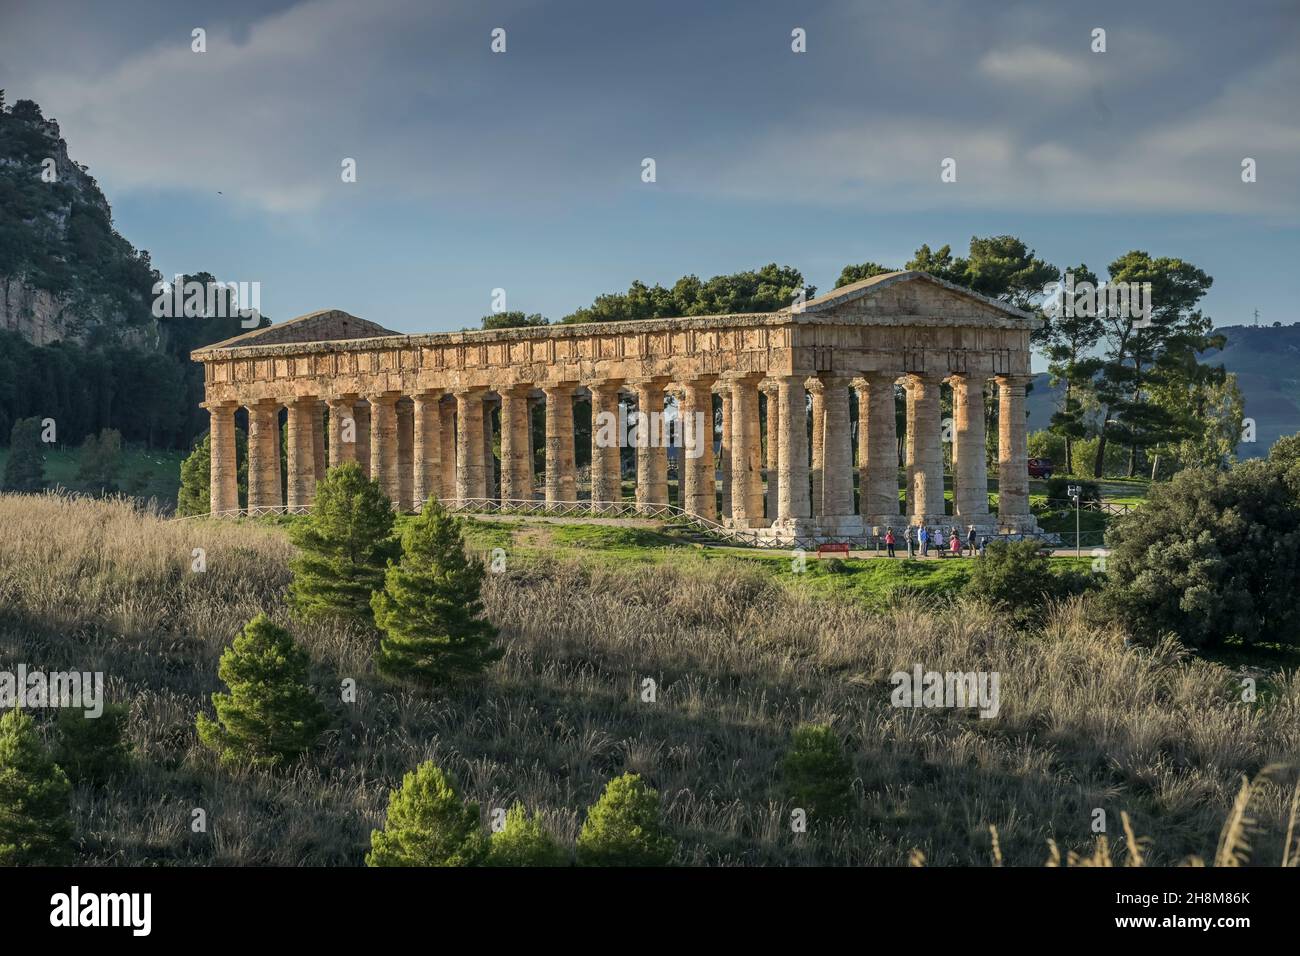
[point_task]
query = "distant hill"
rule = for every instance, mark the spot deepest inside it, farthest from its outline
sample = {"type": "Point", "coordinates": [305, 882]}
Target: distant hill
{"type": "Point", "coordinates": [1266, 361]}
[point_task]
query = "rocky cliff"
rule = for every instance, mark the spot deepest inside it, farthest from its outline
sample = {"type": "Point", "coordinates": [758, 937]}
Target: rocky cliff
{"type": "Point", "coordinates": [65, 273]}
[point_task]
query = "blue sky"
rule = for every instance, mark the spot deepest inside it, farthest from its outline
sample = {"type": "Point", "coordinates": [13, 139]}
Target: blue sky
{"type": "Point", "coordinates": [522, 170]}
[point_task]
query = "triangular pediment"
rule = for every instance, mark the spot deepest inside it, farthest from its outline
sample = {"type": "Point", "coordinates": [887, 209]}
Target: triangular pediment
{"type": "Point", "coordinates": [326, 325]}
{"type": "Point", "coordinates": [912, 293]}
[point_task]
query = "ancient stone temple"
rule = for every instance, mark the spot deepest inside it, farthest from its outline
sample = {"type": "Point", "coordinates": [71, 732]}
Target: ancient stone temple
{"type": "Point", "coordinates": [421, 413]}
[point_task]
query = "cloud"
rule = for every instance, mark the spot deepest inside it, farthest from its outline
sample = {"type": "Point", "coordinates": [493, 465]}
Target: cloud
{"type": "Point", "coordinates": [1186, 163]}
{"type": "Point", "coordinates": [268, 119]}
{"type": "Point", "coordinates": [1037, 66]}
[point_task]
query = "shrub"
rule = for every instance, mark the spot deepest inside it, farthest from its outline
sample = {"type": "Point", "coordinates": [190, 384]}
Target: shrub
{"type": "Point", "coordinates": [345, 544]}
{"type": "Point", "coordinates": [1058, 489]}
{"type": "Point", "coordinates": [818, 775]}
{"type": "Point", "coordinates": [35, 812]}
{"type": "Point", "coordinates": [99, 460]}
{"type": "Point", "coordinates": [431, 607]}
{"type": "Point", "coordinates": [1013, 576]}
{"type": "Point", "coordinates": [623, 827]}
{"type": "Point", "coordinates": [93, 750]}
{"type": "Point", "coordinates": [270, 715]}
{"type": "Point", "coordinates": [428, 825]}
{"type": "Point", "coordinates": [1210, 555]}
{"type": "Point", "coordinates": [524, 842]}
{"type": "Point", "coordinates": [25, 466]}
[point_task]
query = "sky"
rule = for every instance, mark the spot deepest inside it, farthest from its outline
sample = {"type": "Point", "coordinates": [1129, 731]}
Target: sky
{"type": "Point", "coordinates": [522, 170]}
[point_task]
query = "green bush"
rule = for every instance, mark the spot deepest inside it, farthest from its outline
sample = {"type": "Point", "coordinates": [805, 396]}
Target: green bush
{"type": "Point", "coordinates": [428, 825]}
{"type": "Point", "coordinates": [93, 750]}
{"type": "Point", "coordinates": [270, 715]}
{"type": "Point", "coordinates": [623, 827]}
{"type": "Point", "coordinates": [25, 466]}
{"type": "Point", "coordinates": [344, 546]}
{"type": "Point", "coordinates": [1058, 489]}
{"type": "Point", "coordinates": [1210, 555]}
{"type": "Point", "coordinates": [1015, 577]}
{"type": "Point", "coordinates": [35, 809]}
{"type": "Point", "coordinates": [818, 775]}
{"type": "Point", "coordinates": [431, 607]}
{"type": "Point", "coordinates": [524, 842]}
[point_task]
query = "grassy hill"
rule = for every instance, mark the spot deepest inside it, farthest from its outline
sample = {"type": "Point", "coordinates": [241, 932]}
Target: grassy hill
{"type": "Point", "coordinates": [742, 652]}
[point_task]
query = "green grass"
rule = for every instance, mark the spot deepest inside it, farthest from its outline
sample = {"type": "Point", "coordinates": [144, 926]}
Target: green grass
{"type": "Point", "coordinates": [143, 473]}
{"type": "Point", "coordinates": [873, 581]}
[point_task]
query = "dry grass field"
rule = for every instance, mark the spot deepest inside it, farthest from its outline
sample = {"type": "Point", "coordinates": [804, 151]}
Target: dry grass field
{"type": "Point", "coordinates": [739, 659]}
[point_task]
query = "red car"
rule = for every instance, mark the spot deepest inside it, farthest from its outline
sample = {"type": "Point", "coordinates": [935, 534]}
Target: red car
{"type": "Point", "coordinates": [1040, 468]}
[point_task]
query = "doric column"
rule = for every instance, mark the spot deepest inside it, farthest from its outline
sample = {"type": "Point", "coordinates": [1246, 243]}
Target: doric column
{"type": "Point", "coordinates": [773, 404]}
{"type": "Point", "coordinates": [651, 453]}
{"type": "Point", "coordinates": [301, 451]}
{"type": "Point", "coordinates": [343, 432]}
{"type": "Point", "coordinates": [724, 451]}
{"type": "Point", "coordinates": [909, 447]}
{"type": "Point", "coordinates": [606, 475]}
{"type": "Point", "coordinates": [970, 480]}
{"type": "Point", "coordinates": [223, 474]}
{"type": "Point", "coordinates": [469, 446]}
{"type": "Point", "coordinates": [532, 439]}
{"type": "Point", "coordinates": [1013, 448]}
{"type": "Point", "coordinates": [862, 448]}
{"type": "Point", "coordinates": [880, 481]}
{"type": "Point", "coordinates": [489, 457]}
{"type": "Point", "coordinates": [317, 442]}
{"type": "Point", "coordinates": [925, 497]}
{"type": "Point", "coordinates": [814, 387]}
{"type": "Point", "coordinates": [383, 446]}
{"type": "Point", "coordinates": [516, 466]}
{"type": "Point", "coordinates": [447, 416]}
{"type": "Point", "coordinates": [427, 447]}
{"type": "Point", "coordinates": [792, 457]}
{"type": "Point", "coordinates": [837, 448]}
{"type": "Point", "coordinates": [561, 471]}
{"type": "Point", "coordinates": [361, 413]}
{"type": "Point", "coordinates": [746, 476]}
{"type": "Point", "coordinates": [699, 494]}
{"type": "Point", "coordinates": [264, 456]}
{"type": "Point", "coordinates": [405, 456]}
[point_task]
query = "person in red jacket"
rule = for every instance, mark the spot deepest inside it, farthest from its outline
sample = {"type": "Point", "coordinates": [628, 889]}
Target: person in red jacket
{"type": "Point", "coordinates": [889, 541]}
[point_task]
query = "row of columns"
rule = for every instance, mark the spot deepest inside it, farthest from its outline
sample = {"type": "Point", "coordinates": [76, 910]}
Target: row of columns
{"type": "Point", "coordinates": [436, 446]}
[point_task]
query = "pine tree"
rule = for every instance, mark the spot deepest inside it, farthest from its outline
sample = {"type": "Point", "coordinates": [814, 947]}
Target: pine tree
{"type": "Point", "coordinates": [428, 825]}
{"type": "Point", "coordinates": [270, 715]}
{"type": "Point", "coordinates": [25, 466]}
{"type": "Point", "coordinates": [524, 842]}
{"type": "Point", "coordinates": [344, 546]}
{"type": "Point", "coordinates": [818, 775]}
{"type": "Point", "coordinates": [35, 814]}
{"type": "Point", "coordinates": [431, 608]}
{"type": "Point", "coordinates": [623, 828]}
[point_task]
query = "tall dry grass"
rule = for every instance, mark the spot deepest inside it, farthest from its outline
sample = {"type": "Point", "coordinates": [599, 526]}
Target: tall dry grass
{"type": "Point", "coordinates": [739, 661]}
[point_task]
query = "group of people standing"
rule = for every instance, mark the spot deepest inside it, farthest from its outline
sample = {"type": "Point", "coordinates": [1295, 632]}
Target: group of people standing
{"type": "Point", "coordinates": [926, 538]}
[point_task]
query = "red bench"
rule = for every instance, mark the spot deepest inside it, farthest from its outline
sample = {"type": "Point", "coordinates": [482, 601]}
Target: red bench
{"type": "Point", "coordinates": [825, 549]}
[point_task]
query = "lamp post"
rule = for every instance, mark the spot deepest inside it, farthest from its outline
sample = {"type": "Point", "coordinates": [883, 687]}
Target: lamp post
{"type": "Point", "coordinates": [1075, 492]}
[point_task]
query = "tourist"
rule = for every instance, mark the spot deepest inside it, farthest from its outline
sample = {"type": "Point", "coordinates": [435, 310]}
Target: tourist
{"type": "Point", "coordinates": [889, 541]}
{"type": "Point", "coordinates": [954, 544]}
{"type": "Point", "coordinates": [907, 533]}
{"type": "Point", "coordinates": [970, 539]}
{"type": "Point", "coordinates": [924, 537]}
